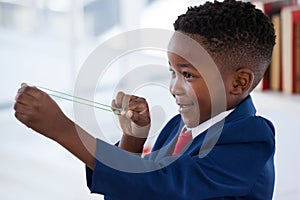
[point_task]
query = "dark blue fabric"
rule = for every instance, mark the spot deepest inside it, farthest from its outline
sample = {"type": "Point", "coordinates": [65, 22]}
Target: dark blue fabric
{"type": "Point", "coordinates": [240, 165]}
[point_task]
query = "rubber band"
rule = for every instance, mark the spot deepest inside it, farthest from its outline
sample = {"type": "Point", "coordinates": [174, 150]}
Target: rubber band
{"type": "Point", "coordinates": [81, 100]}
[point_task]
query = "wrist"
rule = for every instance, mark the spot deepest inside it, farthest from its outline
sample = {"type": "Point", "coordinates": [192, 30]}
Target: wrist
{"type": "Point", "coordinates": [132, 144]}
{"type": "Point", "coordinates": [78, 142]}
{"type": "Point", "coordinates": [69, 130]}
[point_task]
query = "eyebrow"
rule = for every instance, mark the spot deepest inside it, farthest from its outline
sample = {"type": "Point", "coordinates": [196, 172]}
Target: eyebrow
{"type": "Point", "coordinates": [183, 65]}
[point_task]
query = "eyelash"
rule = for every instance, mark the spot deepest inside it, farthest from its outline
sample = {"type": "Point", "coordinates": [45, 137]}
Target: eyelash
{"type": "Point", "coordinates": [186, 75]}
{"type": "Point", "coordinates": [172, 71]}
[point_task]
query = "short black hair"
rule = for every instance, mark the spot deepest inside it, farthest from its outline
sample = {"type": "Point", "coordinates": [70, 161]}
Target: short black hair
{"type": "Point", "coordinates": [234, 33]}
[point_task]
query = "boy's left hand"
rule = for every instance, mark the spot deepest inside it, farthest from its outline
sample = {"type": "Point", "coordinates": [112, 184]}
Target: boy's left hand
{"type": "Point", "coordinates": [38, 111]}
{"type": "Point", "coordinates": [135, 119]}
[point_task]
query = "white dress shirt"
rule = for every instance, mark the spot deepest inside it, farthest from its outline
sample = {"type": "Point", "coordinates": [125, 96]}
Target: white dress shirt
{"type": "Point", "coordinates": [207, 124]}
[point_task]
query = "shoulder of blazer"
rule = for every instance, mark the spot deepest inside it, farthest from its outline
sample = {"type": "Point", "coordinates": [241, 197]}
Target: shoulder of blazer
{"type": "Point", "coordinates": [169, 132]}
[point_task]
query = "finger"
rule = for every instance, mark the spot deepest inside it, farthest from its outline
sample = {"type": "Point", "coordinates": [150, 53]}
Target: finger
{"type": "Point", "coordinates": [21, 108]}
{"type": "Point", "coordinates": [138, 105]}
{"type": "Point", "coordinates": [119, 98]}
{"type": "Point", "coordinates": [24, 98]}
{"type": "Point", "coordinates": [114, 107]}
{"type": "Point", "coordinates": [22, 117]}
{"type": "Point", "coordinates": [23, 85]}
{"type": "Point", "coordinates": [139, 119]}
{"type": "Point", "coordinates": [32, 91]}
{"type": "Point", "coordinates": [125, 101]}
{"type": "Point", "coordinates": [23, 88]}
{"type": "Point", "coordinates": [128, 114]}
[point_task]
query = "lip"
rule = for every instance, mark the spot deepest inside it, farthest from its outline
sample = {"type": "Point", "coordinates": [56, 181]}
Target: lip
{"type": "Point", "coordinates": [183, 108]}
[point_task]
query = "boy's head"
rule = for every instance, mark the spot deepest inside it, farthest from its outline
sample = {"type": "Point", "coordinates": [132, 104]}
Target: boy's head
{"type": "Point", "coordinates": [234, 33]}
{"type": "Point", "coordinates": [238, 37]}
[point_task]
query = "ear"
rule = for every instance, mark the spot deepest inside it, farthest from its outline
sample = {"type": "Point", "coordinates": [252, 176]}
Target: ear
{"type": "Point", "coordinates": [242, 81]}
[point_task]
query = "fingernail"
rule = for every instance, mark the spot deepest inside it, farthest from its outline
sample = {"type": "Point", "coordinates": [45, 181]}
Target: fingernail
{"type": "Point", "coordinates": [129, 114]}
{"type": "Point", "coordinates": [24, 85]}
{"type": "Point", "coordinates": [16, 97]}
{"type": "Point", "coordinates": [123, 112]}
{"type": "Point", "coordinates": [117, 112]}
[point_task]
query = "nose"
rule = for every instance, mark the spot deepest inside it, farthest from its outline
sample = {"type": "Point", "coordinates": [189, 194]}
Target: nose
{"type": "Point", "coordinates": [177, 86]}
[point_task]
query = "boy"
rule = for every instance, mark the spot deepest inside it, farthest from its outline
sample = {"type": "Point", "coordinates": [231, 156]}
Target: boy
{"type": "Point", "coordinates": [230, 155]}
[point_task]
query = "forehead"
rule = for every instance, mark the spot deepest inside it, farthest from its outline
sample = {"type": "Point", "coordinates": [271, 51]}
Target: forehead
{"type": "Point", "coordinates": [189, 49]}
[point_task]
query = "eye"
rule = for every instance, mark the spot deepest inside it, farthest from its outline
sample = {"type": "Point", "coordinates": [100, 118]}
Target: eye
{"type": "Point", "coordinates": [172, 71]}
{"type": "Point", "coordinates": [187, 75]}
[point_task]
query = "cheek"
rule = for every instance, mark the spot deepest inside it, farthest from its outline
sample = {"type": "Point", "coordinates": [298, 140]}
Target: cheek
{"type": "Point", "coordinates": [203, 99]}
{"type": "Point", "coordinates": [171, 82]}
{"type": "Point", "coordinates": [200, 92]}
{"type": "Point", "coordinates": [171, 86]}
{"type": "Point", "coordinates": [204, 103]}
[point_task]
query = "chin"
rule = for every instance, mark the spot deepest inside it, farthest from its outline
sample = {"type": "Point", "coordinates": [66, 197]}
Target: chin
{"type": "Point", "coordinates": [190, 122]}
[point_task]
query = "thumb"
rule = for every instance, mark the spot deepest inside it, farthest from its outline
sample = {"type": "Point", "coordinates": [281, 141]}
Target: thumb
{"type": "Point", "coordinates": [138, 118]}
{"type": "Point", "coordinates": [129, 114]}
{"type": "Point", "coordinates": [24, 85]}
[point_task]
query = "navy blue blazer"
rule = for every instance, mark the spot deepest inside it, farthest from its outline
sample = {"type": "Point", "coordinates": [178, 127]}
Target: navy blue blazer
{"type": "Point", "coordinates": [239, 166]}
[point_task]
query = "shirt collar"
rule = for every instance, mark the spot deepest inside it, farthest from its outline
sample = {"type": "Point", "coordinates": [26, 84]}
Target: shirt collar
{"type": "Point", "coordinates": [207, 124]}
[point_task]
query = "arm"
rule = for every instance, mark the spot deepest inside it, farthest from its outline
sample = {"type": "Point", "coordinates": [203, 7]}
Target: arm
{"type": "Point", "coordinates": [134, 121]}
{"type": "Point", "coordinates": [231, 169]}
{"type": "Point", "coordinates": [188, 177]}
{"type": "Point", "coordinates": [38, 111]}
{"type": "Point", "coordinates": [132, 144]}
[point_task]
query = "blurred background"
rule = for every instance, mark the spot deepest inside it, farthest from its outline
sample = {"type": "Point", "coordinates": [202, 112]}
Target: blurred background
{"type": "Point", "coordinates": [45, 43]}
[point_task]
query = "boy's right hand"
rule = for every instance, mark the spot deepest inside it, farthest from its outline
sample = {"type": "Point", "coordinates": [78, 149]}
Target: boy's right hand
{"type": "Point", "coordinates": [135, 117]}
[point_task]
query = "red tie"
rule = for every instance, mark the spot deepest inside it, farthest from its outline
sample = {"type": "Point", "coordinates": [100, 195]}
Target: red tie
{"type": "Point", "coordinates": [183, 139]}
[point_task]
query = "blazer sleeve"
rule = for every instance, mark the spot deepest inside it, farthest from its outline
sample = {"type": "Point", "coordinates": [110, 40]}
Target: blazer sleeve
{"type": "Point", "coordinates": [230, 169]}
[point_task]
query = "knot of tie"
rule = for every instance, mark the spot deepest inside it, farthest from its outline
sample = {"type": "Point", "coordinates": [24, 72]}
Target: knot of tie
{"type": "Point", "coordinates": [184, 138]}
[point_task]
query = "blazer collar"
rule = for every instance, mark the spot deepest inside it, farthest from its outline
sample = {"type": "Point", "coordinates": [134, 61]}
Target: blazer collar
{"type": "Point", "coordinates": [244, 109]}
